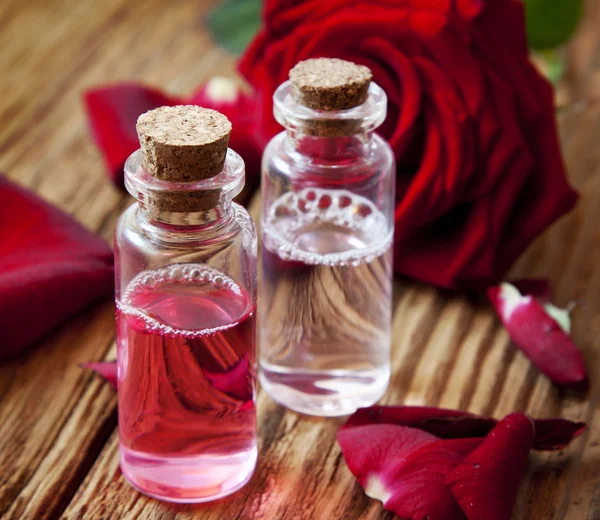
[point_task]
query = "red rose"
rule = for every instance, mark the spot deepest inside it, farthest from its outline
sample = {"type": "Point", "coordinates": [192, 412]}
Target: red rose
{"type": "Point", "coordinates": [470, 121]}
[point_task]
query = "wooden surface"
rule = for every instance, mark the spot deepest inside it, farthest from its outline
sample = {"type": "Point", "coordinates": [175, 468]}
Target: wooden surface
{"type": "Point", "coordinates": [58, 450]}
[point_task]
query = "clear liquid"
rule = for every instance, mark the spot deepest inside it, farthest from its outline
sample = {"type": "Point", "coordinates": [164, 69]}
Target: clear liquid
{"type": "Point", "coordinates": [325, 302]}
{"type": "Point", "coordinates": [186, 361]}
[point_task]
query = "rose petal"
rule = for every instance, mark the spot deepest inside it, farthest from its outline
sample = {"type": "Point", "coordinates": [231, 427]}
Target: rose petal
{"type": "Point", "coordinates": [407, 468]}
{"type": "Point", "coordinates": [486, 483]}
{"type": "Point", "coordinates": [551, 434]}
{"type": "Point", "coordinates": [105, 369]}
{"type": "Point", "coordinates": [51, 267]}
{"type": "Point", "coordinates": [368, 450]}
{"type": "Point", "coordinates": [556, 434]}
{"type": "Point", "coordinates": [540, 336]}
{"type": "Point", "coordinates": [112, 112]}
{"type": "Point", "coordinates": [417, 485]}
{"type": "Point", "coordinates": [447, 424]}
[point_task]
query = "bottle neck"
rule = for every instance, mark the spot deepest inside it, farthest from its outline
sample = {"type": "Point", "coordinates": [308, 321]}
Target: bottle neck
{"type": "Point", "coordinates": [329, 149]}
{"type": "Point", "coordinates": [149, 214]}
{"type": "Point", "coordinates": [184, 208]}
{"type": "Point", "coordinates": [331, 136]}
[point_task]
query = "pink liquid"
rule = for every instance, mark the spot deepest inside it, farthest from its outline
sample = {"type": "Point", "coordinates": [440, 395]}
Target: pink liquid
{"type": "Point", "coordinates": [186, 356]}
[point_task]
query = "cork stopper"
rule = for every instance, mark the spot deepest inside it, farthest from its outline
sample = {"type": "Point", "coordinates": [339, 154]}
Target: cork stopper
{"type": "Point", "coordinates": [183, 143]}
{"type": "Point", "coordinates": [330, 83]}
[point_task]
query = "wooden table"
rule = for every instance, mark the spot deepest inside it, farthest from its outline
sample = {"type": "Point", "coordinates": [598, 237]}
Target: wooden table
{"type": "Point", "coordinates": [58, 443]}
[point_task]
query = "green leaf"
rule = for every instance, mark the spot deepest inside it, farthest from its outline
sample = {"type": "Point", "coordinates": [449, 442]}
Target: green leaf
{"type": "Point", "coordinates": [233, 23]}
{"type": "Point", "coordinates": [551, 23]}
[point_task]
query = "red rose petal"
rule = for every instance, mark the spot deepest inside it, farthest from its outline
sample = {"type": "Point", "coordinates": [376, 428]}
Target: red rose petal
{"type": "Point", "coordinates": [551, 434]}
{"type": "Point", "coordinates": [369, 450]}
{"type": "Point", "coordinates": [470, 9]}
{"type": "Point", "coordinates": [396, 459]}
{"type": "Point", "coordinates": [556, 434]}
{"type": "Point", "coordinates": [486, 483]}
{"type": "Point", "coordinates": [106, 369]}
{"type": "Point", "coordinates": [539, 336]}
{"type": "Point", "coordinates": [417, 485]}
{"type": "Point", "coordinates": [443, 423]}
{"type": "Point", "coordinates": [401, 415]}
{"type": "Point", "coordinates": [51, 267]}
{"type": "Point", "coordinates": [113, 112]}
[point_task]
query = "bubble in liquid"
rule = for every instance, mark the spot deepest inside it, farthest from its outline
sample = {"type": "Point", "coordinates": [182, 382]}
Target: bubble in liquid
{"type": "Point", "coordinates": [363, 210]}
{"type": "Point", "coordinates": [186, 272]}
{"type": "Point", "coordinates": [344, 201]}
{"type": "Point", "coordinates": [324, 202]}
{"type": "Point", "coordinates": [352, 214]}
{"type": "Point", "coordinates": [302, 206]}
{"type": "Point", "coordinates": [283, 211]}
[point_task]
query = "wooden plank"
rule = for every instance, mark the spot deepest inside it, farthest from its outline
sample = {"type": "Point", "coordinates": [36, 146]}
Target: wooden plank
{"type": "Point", "coordinates": [55, 419]}
{"type": "Point", "coordinates": [42, 407]}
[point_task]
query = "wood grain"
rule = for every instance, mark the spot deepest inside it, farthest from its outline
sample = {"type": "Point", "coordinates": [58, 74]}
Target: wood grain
{"type": "Point", "coordinates": [58, 448]}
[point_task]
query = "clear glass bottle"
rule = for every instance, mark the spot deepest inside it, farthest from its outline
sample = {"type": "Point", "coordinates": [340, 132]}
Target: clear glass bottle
{"type": "Point", "coordinates": [185, 296]}
{"type": "Point", "coordinates": [325, 288]}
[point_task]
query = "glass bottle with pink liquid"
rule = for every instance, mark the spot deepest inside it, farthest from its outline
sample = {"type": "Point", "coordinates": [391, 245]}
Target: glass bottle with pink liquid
{"type": "Point", "coordinates": [327, 218]}
{"type": "Point", "coordinates": [185, 258]}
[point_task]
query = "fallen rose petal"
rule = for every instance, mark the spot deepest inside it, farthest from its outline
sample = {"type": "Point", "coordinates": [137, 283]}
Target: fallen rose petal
{"type": "Point", "coordinates": [415, 488]}
{"type": "Point", "coordinates": [443, 423]}
{"type": "Point", "coordinates": [551, 434]}
{"type": "Point", "coordinates": [556, 434]}
{"type": "Point", "coordinates": [112, 112]}
{"type": "Point", "coordinates": [542, 335]}
{"type": "Point", "coordinates": [106, 369]}
{"type": "Point", "coordinates": [486, 483]}
{"type": "Point", "coordinates": [51, 267]}
{"type": "Point", "coordinates": [368, 450]}
{"type": "Point", "coordinates": [401, 415]}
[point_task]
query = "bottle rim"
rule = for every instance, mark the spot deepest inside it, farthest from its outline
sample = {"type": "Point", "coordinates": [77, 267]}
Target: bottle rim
{"type": "Point", "coordinates": [291, 114]}
{"type": "Point", "coordinates": [228, 182]}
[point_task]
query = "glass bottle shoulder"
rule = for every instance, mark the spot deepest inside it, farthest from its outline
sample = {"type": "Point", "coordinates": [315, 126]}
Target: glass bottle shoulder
{"type": "Point", "coordinates": [153, 246]}
{"type": "Point", "coordinates": [281, 158]}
